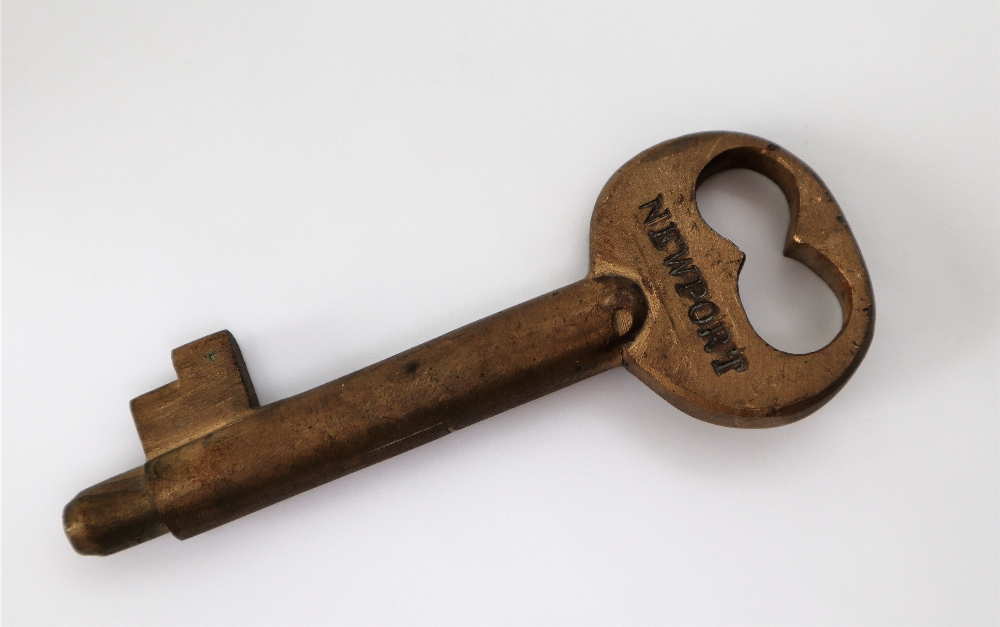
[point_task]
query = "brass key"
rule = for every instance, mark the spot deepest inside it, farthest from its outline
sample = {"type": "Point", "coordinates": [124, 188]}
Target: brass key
{"type": "Point", "coordinates": [661, 299]}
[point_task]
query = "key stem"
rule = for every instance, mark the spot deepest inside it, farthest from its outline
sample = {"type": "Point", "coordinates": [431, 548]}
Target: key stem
{"type": "Point", "coordinates": [298, 443]}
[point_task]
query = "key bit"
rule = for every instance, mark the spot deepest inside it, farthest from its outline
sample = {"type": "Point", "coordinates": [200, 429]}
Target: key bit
{"type": "Point", "coordinates": [661, 299]}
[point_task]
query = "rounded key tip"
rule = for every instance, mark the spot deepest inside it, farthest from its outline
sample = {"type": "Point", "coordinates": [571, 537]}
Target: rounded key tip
{"type": "Point", "coordinates": [112, 516]}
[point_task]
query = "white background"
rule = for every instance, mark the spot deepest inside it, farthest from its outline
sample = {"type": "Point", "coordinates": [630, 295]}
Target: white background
{"type": "Point", "coordinates": [335, 183]}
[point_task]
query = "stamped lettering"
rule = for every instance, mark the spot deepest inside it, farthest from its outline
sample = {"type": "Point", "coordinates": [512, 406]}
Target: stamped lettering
{"type": "Point", "coordinates": [657, 210]}
{"type": "Point", "coordinates": [702, 312]}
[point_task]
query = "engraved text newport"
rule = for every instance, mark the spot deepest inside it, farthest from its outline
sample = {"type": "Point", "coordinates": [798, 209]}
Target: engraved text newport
{"type": "Point", "coordinates": [667, 238]}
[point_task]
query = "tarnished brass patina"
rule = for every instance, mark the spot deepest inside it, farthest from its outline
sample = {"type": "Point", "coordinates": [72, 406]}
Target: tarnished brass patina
{"type": "Point", "coordinates": [661, 299]}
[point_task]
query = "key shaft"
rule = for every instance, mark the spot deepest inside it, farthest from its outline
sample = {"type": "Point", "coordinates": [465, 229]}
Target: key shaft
{"type": "Point", "coordinates": [287, 447]}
